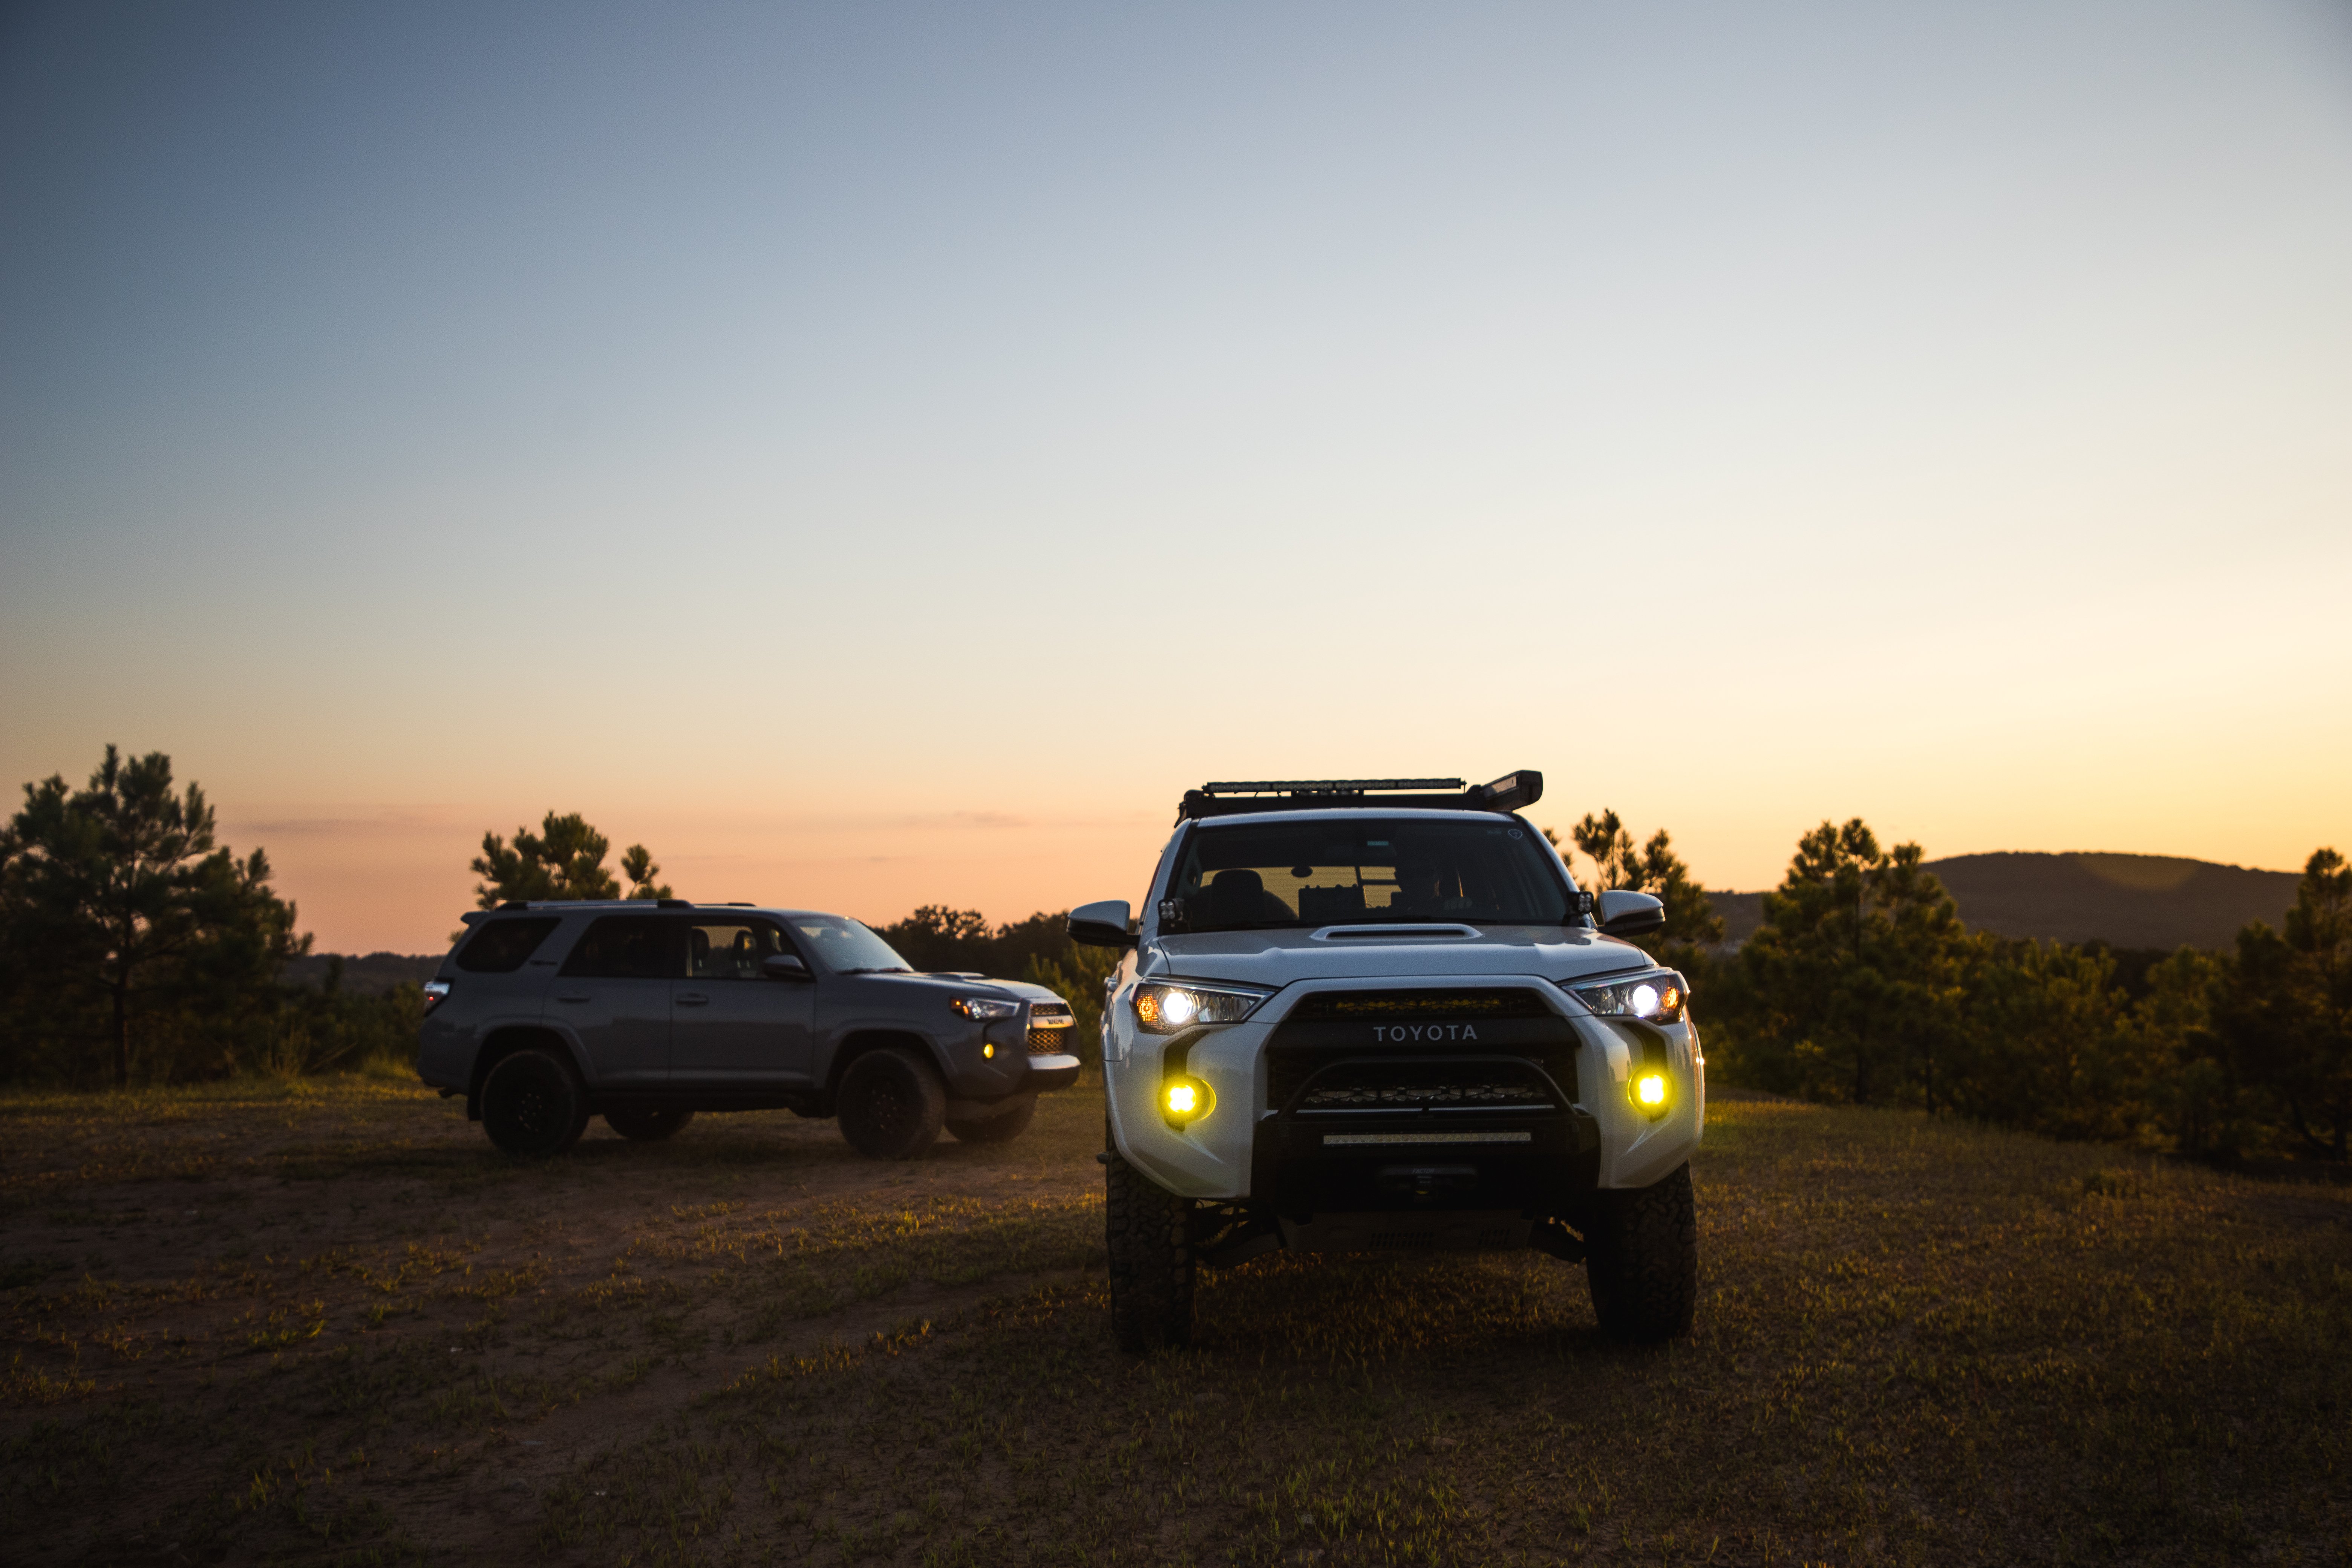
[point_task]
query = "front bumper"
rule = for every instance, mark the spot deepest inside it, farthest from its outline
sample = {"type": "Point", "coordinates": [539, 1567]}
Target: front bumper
{"type": "Point", "coordinates": [1261, 1146]}
{"type": "Point", "coordinates": [1005, 1059]}
{"type": "Point", "coordinates": [1050, 1072]}
{"type": "Point", "coordinates": [1305, 1165]}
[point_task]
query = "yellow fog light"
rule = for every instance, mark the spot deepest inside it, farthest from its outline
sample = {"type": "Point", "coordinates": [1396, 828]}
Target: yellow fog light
{"type": "Point", "coordinates": [1650, 1092]}
{"type": "Point", "coordinates": [988, 1050]}
{"type": "Point", "coordinates": [1184, 1100]}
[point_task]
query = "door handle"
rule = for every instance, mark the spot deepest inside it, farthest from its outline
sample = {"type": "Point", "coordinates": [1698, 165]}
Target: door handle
{"type": "Point", "coordinates": [571, 996]}
{"type": "Point", "coordinates": [691, 999]}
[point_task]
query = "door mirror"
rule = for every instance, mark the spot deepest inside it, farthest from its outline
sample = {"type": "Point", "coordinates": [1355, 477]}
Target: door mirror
{"type": "Point", "coordinates": [1101, 925]}
{"type": "Point", "coordinates": [784, 966]}
{"type": "Point", "coordinates": [1622, 913]}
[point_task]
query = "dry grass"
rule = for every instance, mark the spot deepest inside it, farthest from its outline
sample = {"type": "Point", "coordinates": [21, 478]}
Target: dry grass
{"type": "Point", "coordinates": [325, 1324]}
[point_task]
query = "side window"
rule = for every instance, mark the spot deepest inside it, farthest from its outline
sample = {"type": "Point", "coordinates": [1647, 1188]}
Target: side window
{"type": "Point", "coordinates": [500, 947]}
{"type": "Point", "coordinates": [627, 947]}
{"type": "Point", "coordinates": [729, 950]}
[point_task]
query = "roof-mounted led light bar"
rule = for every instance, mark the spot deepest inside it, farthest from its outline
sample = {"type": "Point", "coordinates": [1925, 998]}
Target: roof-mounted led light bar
{"type": "Point", "coordinates": [1509, 792]}
{"type": "Point", "coordinates": [1327, 786]}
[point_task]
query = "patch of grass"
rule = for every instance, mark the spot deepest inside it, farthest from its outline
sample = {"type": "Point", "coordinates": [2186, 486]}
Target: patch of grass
{"type": "Point", "coordinates": [30, 1268]}
{"type": "Point", "coordinates": [24, 1385]}
{"type": "Point", "coordinates": [376, 1340]}
{"type": "Point", "coordinates": [1919, 1344]}
{"type": "Point", "coordinates": [286, 1327]}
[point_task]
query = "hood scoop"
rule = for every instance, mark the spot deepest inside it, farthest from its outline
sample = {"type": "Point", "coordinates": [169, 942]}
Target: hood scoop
{"type": "Point", "coordinates": [1442, 931]}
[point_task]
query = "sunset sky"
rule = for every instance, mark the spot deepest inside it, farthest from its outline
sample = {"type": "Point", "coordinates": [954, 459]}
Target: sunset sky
{"type": "Point", "coordinates": [881, 455]}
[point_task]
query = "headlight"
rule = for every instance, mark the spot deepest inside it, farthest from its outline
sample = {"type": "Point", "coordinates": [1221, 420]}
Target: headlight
{"type": "Point", "coordinates": [1164, 1009]}
{"type": "Point", "coordinates": [985, 1008]}
{"type": "Point", "coordinates": [1654, 995]}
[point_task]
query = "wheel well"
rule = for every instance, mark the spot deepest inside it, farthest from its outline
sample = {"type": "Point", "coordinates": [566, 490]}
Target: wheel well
{"type": "Point", "coordinates": [866, 1040]}
{"type": "Point", "coordinates": [504, 1043]}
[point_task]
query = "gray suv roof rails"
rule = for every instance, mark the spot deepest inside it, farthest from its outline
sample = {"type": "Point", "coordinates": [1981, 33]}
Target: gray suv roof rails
{"type": "Point", "coordinates": [1510, 792]}
{"type": "Point", "coordinates": [608, 904]}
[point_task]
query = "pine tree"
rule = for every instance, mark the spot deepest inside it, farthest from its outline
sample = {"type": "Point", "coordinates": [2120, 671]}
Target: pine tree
{"type": "Point", "coordinates": [120, 890]}
{"type": "Point", "coordinates": [564, 859]}
{"type": "Point", "coordinates": [1853, 982]}
{"type": "Point", "coordinates": [2287, 1012]}
{"type": "Point", "coordinates": [1692, 924]}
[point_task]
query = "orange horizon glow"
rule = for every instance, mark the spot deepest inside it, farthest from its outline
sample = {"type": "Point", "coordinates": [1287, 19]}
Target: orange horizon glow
{"type": "Point", "coordinates": [399, 882]}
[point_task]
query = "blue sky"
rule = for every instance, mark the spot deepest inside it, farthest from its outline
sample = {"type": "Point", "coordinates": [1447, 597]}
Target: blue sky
{"type": "Point", "coordinates": [883, 454]}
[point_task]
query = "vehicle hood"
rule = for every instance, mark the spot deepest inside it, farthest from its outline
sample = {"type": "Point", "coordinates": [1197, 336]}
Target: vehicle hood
{"type": "Point", "coordinates": [966, 981]}
{"type": "Point", "coordinates": [1275, 959]}
{"type": "Point", "coordinates": [951, 983]}
{"type": "Point", "coordinates": [1023, 989]}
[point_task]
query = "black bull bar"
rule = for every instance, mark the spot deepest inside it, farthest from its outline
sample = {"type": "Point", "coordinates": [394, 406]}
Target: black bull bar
{"type": "Point", "coordinates": [1357, 1123]}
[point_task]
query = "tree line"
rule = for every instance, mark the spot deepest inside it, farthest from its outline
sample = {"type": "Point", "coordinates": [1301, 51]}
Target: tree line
{"type": "Point", "coordinates": [1863, 987]}
{"type": "Point", "coordinates": [136, 948]}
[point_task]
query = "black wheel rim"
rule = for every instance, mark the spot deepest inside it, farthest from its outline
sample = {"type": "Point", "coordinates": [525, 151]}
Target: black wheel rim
{"type": "Point", "coordinates": [887, 1106]}
{"type": "Point", "coordinates": [535, 1110]}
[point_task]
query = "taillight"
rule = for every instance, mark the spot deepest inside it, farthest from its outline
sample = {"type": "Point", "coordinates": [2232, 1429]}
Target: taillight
{"type": "Point", "coordinates": [435, 992]}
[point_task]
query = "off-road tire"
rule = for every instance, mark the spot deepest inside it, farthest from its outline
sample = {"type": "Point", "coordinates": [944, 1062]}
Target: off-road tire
{"type": "Point", "coordinates": [1002, 1128]}
{"type": "Point", "coordinates": [891, 1105]}
{"type": "Point", "coordinates": [647, 1126]}
{"type": "Point", "coordinates": [1641, 1260]}
{"type": "Point", "coordinates": [1149, 1232]}
{"type": "Point", "coordinates": [533, 1104]}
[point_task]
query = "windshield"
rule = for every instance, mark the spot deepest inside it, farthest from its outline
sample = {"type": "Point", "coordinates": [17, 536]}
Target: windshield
{"type": "Point", "coordinates": [1366, 870]}
{"type": "Point", "coordinates": [847, 947]}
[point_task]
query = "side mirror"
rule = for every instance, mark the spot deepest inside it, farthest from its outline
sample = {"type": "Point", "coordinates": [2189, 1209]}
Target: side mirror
{"type": "Point", "coordinates": [1622, 913]}
{"type": "Point", "coordinates": [1101, 925]}
{"type": "Point", "coordinates": [784, 966]}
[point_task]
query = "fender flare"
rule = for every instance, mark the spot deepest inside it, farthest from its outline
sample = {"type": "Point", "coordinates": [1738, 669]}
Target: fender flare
{"type": "Point", "coordinates": [505, 1036]}
{"type": "Point", "coordinates": [851, 1041]}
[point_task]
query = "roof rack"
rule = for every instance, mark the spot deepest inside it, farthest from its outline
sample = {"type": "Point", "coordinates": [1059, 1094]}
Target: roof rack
{"type": "Point", "coordinates": [1509, 792]}
{"type": "Point", "coordinates": [631, 904]}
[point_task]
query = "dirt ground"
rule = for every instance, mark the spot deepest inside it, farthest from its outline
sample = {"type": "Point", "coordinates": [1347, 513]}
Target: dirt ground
{"type": "Point", "coordinates": [203, 1251]}
{"type": "Point", "coordinates": [325, 1322]}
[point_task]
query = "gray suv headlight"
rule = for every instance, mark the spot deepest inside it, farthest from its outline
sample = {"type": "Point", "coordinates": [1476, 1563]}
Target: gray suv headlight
{"type": "Point", "coordinates": [985, 1008]}
{"type": "Point", "coordinates": [1165, 1008]}
{"type": "Point", "coordinates": [1654, 996]}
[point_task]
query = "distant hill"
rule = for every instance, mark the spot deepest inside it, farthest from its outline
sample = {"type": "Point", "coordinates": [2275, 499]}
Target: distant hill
{"type": "Point", "coordinates": [371, 975]}
{"type": "Point", "coordinates": [2124, 901]}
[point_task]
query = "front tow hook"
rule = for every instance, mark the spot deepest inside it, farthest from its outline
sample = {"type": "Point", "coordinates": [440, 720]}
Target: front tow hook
{"type": "Point", "coordinates": [1428, 1181]}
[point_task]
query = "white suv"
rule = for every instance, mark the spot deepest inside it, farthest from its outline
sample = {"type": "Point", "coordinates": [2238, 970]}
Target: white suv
{"type": "Point", "coordinates": [1372, 1014]}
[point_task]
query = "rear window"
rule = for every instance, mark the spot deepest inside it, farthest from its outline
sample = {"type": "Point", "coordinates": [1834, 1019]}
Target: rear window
{"type": "Point", "coordinates": [629, 947]}
{"type": "Point", "coordinates": [1367, 870]}
{"type": "Point", "coordinates": [500, 947]}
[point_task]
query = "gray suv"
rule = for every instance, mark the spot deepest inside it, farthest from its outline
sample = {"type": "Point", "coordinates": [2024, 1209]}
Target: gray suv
{"type": "Point", "coordinates": [547, 1014]}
